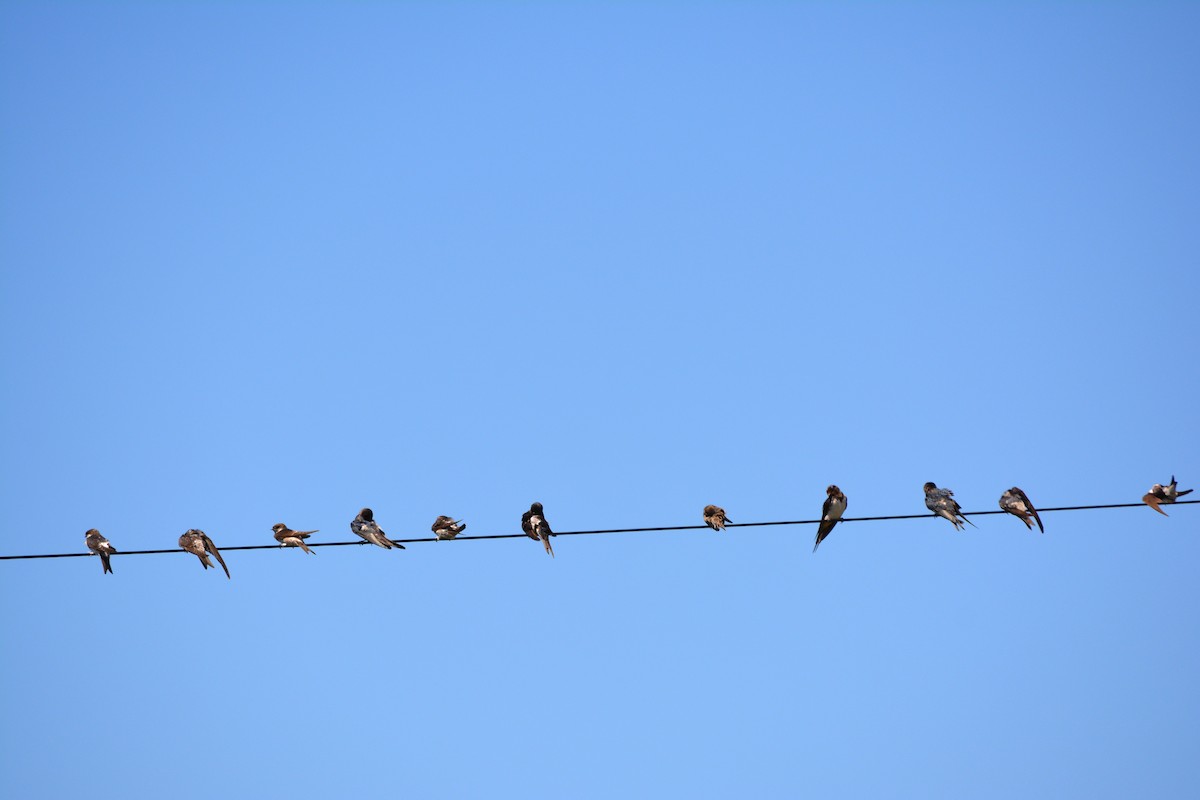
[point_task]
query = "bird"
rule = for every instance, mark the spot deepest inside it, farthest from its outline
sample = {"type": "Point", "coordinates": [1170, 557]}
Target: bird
{"type": "Point", "coordinates": [1163, 494]}
{"type": "Point", "coordinates": [290, 538]}
{"type": "Point", "coordinates": [101, 547]}
{"type": "Point", "coordinates": [533, 522]}
{"type": "Point", "coordinates": [942, 503]}
{"type": "Point", "coordinates": [198, 544]}
{"type": "Point", "coordinates": [831, 512]}
{"type": "Point", "coordinates": [446, 528]}
{"type": "Point", "coordinates": [1015, 502]}
{"type": "Point", "coordinates": [365, 526]}
{"type": "Point", "coordinates": [714, 517]}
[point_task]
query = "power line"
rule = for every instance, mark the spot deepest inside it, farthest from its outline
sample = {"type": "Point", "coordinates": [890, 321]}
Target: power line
{"type": "Point", "coordinates": [604, 531]}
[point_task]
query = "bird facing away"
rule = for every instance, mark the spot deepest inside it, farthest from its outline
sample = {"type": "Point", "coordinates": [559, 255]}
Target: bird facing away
{"type": "Point", "coordinates": [1015, 502]}
{"type": "Point", "coordinates": [445, 528]}
{"type": "Point", "coordinates": [365, 526]}
{"type": "Point", "coordinates": [198, 544]}
{"type": "Point", "coordinates": [533, 522]}
{"type": "Point", "coordinates": [290, 538]}
{"type": "Point", "coordinates": [714, 517]}
{"type": "Point", "coordinates": [100, 546]}
{"type": "Point", "coordinates": [942, 503]}
{"type": "Point", "coordinates": [831, 512]}
{"type": "Point", "coordinates": [1163, 494]}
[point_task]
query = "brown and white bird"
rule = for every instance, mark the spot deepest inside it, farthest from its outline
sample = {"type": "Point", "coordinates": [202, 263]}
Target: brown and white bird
{"type": "Point", "coordinates": [714, 517]}
{"type": "Point", "coordinates": [831, 512]}
{"type": "Point", "coordinates": [198, 544]}
{"type": "Point", "coordinates": [1163, 494]}
{"type": "Point", "coordinates": [290, 538]}
{"type": "Point", "coordinates": [533, 522]}
{"type": "Point", "coordinates": [1015, 502]}
{"type": "Point", "coordinates": [365, 526]}
{"type": "Point", "coordinates": [445, 528]}
{"type": "Point", "coordinates": [942, 503]}
{"type": "Point", "coordinates": [100, 546]}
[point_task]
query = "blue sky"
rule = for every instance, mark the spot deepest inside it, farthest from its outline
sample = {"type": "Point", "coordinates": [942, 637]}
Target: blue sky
{"type": "Point", "coordinates": [267, 263]}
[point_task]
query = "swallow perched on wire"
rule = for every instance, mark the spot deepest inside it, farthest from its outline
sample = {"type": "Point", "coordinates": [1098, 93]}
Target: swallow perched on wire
{"type": "Point", "coordinates": [445, 528]}
{"type": "Point", "coordinates": [198, 544]}
{"type": "Point", "coordinates": [1015, 502]}
{"type": "Point", "coordinates": [714, 517]}
{"type": "Point", "coordinates": [533, 522]}
{"type": "Point", "coordinates": [365, 526]}
{"type": "Point", "coordinates": [100, 546]}
{"type": "Point", "coordinates": [1163, 494]}
{"type": "Point", "coordinates": [831, 512]}
{"type": "Point", "coordinates": [942, 503]}
{"type": "Point", "coordinates": [290, 538]}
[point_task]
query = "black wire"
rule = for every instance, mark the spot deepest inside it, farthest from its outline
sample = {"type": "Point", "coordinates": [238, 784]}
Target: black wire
{"type": "Point", "coordinates": [589, 533]}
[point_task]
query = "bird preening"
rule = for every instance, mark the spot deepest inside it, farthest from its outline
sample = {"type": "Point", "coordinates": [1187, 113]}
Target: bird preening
{"type": "Point", "coordinates": [534, 523]}
{"type": "Point", "coordinates": [446, 528]}
{"type": "Point", "coordinates": [714, 517]}
{"type": "Point", "coordinates": [198, 544]}
{"type": "Point", "coordinates": [365, 526]}
{"type": "Point", "coordinates": [1016, 503]}
{"type": "Point", "coordinates": [831, 513]}
{"type": "Point", "coordinates": [1163, 494]}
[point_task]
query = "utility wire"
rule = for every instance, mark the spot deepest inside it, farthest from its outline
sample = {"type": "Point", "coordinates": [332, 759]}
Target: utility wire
{"type": "Point", "coordinates": [588, 533]}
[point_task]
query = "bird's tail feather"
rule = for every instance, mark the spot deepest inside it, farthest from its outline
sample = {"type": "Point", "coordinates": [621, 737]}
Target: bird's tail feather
{"type": "Point", "coordinates": [105, 561]}
{"type": "Point", "coordinates": [549, 549]}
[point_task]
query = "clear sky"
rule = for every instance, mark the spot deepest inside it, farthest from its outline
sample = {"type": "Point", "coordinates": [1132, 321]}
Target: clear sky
{"type": "Point", "coordinates": [267, 262]}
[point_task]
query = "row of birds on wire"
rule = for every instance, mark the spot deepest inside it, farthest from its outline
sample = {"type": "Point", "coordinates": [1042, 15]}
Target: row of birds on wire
{"type": "Point", "coordinates": [533, 522]}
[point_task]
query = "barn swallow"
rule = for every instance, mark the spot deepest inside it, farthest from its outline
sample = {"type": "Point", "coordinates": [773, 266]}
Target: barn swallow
{"type": "Point", "coordinates": [198, 544]}
{"type": "Point", "coordinates": [365, 526]}
{"type": "Point", "coordinates": [446, 528]}
{"type": "Point", "coordinates": [1015, 502]}
{"type": "Point", "coordinates": [290, 538]}
{"type": "Point", "coordinates": [533, 522]}
{"type": "Point", "coordinates": [100, 546]}
{"type": "Point", "coordinates": [941, 502]}
{"type": "Point", "coordinates": [831, 512]}
{"type": "Point", "coordinates": [1163, 494]}
{"type": "Point", "coordinates": [714, 517]}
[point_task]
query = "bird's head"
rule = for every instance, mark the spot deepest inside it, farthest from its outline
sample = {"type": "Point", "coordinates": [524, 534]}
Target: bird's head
{"type": "Point", "coordinates": [367, 514]}
{"type": "Point", "coordinates": [930, 485]}
{"type": "Point", "coordinates": [279, 526]}
{"type": "Point", "coordinates": [536, 508]}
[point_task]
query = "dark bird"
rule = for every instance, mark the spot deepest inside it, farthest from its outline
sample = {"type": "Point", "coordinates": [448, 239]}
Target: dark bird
{"type": "Point", "coordinates": [831, 512]}
{"type": "Point", "coordinates": [290, 538]}
{"type": "Point", "coordinates": [942, 503]}
{"type": "Point", "coordinates": [198, 544]}
{"type": "Point", "coordinates": [100, 546]}
{"type": "Point", "coordinates": [533, 522]}
{"type": "Point", "coordinates": [1163, 494]}
{"type": "Point", "coordinates": [1015, 502]}
{"type": "Point", "coordinates": [714, 517]}
{"type": "Point", "coordinates": [365, 526]}
{"type": "Point", "coordinates": [446, 528]}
